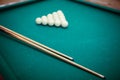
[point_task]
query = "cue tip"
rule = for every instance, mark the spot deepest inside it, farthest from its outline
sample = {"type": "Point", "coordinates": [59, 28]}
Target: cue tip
{"type": "Point", "coordinates": [101, 76]}
{"type": "Point", "coordinates": [71, 59]}
{"type": "Point", "coordinates": [68, 57]}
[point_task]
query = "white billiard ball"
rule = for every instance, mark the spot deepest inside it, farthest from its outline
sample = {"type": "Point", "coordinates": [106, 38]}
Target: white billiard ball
{"type": "Point", "coordinates": [61, 14]}
{"type": "Point", "coordinates": [50, 20]}
{"type": "Point", "coordinates": [57, 23]}
{"type": "Point", "coordinates": [38, 20]}
{"type": "Point", "coordinates": [56, 19]}
{"type": "Point", "coordinates": [65, 24]}
{"type": "Point", "coordinates": [44, 20]}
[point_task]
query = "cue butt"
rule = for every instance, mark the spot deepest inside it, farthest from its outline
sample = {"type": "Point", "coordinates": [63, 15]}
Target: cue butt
{"type": "Point", "coordinates": [10, 32]}
{"type": "Point", "coordinates": [48, 48]}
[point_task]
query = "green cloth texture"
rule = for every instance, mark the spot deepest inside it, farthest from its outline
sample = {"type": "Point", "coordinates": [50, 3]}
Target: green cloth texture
{"type": "Point", "coordinates": [92, 39]}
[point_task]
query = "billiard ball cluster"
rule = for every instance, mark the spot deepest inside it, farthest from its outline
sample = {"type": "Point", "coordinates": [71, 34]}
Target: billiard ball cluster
{"type": "Point", "coordinates": [54, 19]}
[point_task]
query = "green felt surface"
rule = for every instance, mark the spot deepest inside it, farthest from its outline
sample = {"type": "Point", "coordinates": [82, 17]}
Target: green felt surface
{"type": "Point", "coordinates": [92, 39]}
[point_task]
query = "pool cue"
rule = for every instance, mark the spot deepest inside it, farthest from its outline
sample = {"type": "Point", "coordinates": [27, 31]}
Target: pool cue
{"type": "Point", "coordinates": [10, 32]}
{"type": "Point", "coordinates": [48, 48]}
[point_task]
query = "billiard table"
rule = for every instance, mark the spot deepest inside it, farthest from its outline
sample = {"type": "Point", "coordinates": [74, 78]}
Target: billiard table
{"type": "Point", "coordinates": [92, 39]}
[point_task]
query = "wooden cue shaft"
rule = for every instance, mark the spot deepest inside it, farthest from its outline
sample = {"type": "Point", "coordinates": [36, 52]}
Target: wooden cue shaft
{"type": "Point", "coordinates": [51, 53]}
{"type": "Point", "coordinates": [48, 48]}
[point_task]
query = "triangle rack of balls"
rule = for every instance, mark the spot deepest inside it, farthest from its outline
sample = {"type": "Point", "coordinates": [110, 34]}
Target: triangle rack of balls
{"type": "Point", "coordinates": [55, 19]}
